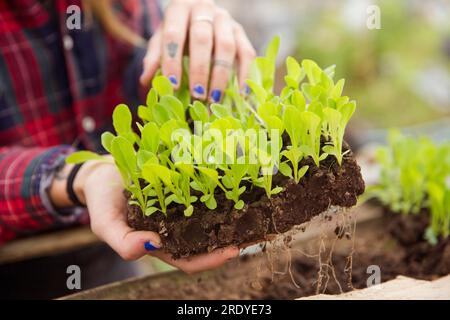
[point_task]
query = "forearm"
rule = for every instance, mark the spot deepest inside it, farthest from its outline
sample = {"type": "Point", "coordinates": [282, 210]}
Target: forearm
{"type": "Point", "coordinates": [25, 175]}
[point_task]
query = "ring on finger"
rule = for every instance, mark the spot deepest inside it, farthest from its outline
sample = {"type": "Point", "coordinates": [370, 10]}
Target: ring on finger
{"type": "Point", "coordinates": [223, 63]}
{"type": "Point", "coordinates": [204, 18]}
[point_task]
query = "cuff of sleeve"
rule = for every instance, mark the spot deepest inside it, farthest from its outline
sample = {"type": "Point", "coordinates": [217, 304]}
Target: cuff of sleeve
{"type": "Point", "coordinates": [52, 165]}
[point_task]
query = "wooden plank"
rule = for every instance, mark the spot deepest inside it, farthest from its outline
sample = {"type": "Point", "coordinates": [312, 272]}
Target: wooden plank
{"type": "Point", "coordinates": [401, 288]}
{"type": "Point", "coordinates": [47, 244]}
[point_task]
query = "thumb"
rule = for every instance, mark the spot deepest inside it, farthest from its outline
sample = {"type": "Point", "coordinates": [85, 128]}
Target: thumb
{"type": "Point", "coordinates": [127, 242]}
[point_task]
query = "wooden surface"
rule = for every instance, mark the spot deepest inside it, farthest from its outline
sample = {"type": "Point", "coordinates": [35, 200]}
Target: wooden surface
{"type": "Point", "coordinates": [211, 284]}
{"type": "Point", "coordinates": [46, 244]}
{"type": "Point", "coordinates": [401, 288]}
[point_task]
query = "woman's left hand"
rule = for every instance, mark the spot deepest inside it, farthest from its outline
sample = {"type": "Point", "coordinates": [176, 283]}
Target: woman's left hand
{"type": "Point", "coordinates": [216, 42]}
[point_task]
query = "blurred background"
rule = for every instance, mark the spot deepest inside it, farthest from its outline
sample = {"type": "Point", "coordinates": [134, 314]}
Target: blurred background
{"type": "Point", "coordinates": [398, 74]}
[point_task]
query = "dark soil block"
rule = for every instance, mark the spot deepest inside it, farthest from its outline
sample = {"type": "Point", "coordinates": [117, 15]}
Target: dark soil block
{"type": "Point", "coordinates": [322, 187]}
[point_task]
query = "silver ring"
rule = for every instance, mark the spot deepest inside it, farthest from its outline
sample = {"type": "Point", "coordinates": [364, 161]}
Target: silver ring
{"type": "Point", "coordinates": [223, 63]}
{"type": "Point", "coordinates": [204, 18]}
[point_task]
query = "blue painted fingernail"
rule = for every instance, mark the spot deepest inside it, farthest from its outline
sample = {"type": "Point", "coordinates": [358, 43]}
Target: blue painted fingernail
{"type": "Point", "coordinates": [199, 89]}
{"type": "Point", "coordinates": [216, 95]}
{"type": "Point", "coordinates": [150, 246]}
{"type": "Point", "coordinates": [173, 80]}
{"type": "Point", "coordinates": [247, 89]}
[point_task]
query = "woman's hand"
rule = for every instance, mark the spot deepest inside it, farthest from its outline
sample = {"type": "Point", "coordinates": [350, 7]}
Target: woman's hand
{"type": "Point", "coordinates": [216, 42]}
{"type": "Point", "coordinates": [99, 186]}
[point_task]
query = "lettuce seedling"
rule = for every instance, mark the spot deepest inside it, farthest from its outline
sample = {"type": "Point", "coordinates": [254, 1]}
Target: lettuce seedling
{"type": "Point", "coordinates": [232, 178]}
{"type": "Point", "coordinates": [175, 161]}
{"type": "Point", "coordinates": [414, 177]}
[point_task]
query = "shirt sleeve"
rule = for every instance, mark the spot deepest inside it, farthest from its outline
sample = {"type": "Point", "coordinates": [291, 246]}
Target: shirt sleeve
{"type": "Point", "coordinates": [25, 176]}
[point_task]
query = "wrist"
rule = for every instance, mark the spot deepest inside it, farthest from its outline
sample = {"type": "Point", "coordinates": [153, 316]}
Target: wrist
{"type": "Point", "coordinates": [82, 178]}
{"type": "Point", "coordinates": [58, 189]}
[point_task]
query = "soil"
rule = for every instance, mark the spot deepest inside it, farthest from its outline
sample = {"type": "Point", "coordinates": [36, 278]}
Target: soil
{"type": "Point", "coordinates": [206, 230]}
{"type": "Point", "coordinates": [403, 251]}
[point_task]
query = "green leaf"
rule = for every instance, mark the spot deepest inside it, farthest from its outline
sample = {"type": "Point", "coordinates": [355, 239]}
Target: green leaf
{"type": "Point", "coordinates": [162, 86]}
{"type": "Point", "coordinates": [242, 190]}
{"type": "Point", "coordinates": [160, 114]}
{"type": "Point", "coordinates": [144, 113]}
{"type": "Point", "coordinates": [188, 211]}
{"type": "Point", "coordinates": [152, 98]}
{"type": "Point", "coordinates": [323, 156]}
{"type": "Point", "coordinates": [220, 111]}
{"type": "Point", "coordinates": [312, 70]}
{"type": "Point", "coordinates": [338, 88]}
{"type": "Point", "coordinates": [291, 120]}
{"type": "Point", "coordinates": [151, 210]}
{"type": "Point", "coordinates": [430, 236]}
{"type": "Point", "coordinates": [295, 73]}
{"type": "Point", "coordinates": [211, 203]}
{"type": "Point", "coordinates": [259, 91]}
{"type": "Point", "coordinates": [144, 156]}
{"type": "Point", "coordinates": [293, 68]}
{"type": "Point", "coordinates": [272, 49]}
{"type": "Point", "coordinates": [312, 92]}
{"type": "Point", "coordinates": [290, 82]}
{"type": "Point", "coordinates": [199, 112]}
{"type": "Point", "coordinates": [150, 137]}
{"type": "Point", "coordinates": [330, 71]}
{"type": "Point", "coordinates": [277, 190]}
{"type": "Point", "coordinates": [83, 156]}
{"type": "Point", "coordinates": [124, 155]}
{"type": "Point", "coordinates": [275, 123]}
{"type": "Point", "coordinates": [167, 130]}
{"type": "Point", "coordinates": [302, 171]}
{"type": "Point", "coordinates": [286, 170]}
{"type": "Point", "coordinates": [122, 119]}
{"type": "Point", "coordinates": [174, 107]}
{"type": "Point", "coordinates": [185, 168]}
{"type": "Point", "coordinates": [164, 174]}
{"type": "Point", "coordinates": [326, 82]}
{"type": "Point", "coordinates": [239, 205]}
{"type": "Point", "coordinates": [107, 138]}
{"type": "Point", "coordinates": [347, 112]}
{"type": "Point", "coordinates": [310, 133]}
{"type": "Point", "coordinates": [298, 100]}
{"type": "Point", "coordinates": [328, 149]}
{"type": "Point", "coordinates": [210, 173]}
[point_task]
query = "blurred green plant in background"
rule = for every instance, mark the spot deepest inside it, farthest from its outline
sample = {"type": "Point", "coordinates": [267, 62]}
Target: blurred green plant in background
{"type": "Point", "coordinates": [415, 179]}
{"type": "Point", "coordinates": [399, 74]}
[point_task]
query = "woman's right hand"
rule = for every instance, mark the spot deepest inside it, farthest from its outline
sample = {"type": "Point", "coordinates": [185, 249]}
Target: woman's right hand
{"type": "Point", "coordinates": [213, 40]}
{"type": "Point", "coordinates": [99, 186]}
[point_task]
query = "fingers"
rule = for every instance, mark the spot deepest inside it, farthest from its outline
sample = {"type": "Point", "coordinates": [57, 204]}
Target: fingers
{"type": "Point", "coordinates": [224, 55]}
{"type": "Point", "coordinates": [200, 48]}
{"type": "Point", "coordinates": [245, 53]}
{"type": "Point", "coordinates": [174, 37]}
{"type": "Point", "coordinates": [200, 262]}
{"type": "Point", "coordinates": [127, 242]}
{"type": "Point", "coordinates": [107, 210]}
{"type": "Point", "coordinates": [152, 59]}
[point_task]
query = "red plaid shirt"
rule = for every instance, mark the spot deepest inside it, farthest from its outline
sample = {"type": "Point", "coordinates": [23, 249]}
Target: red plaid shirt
{"type": "Point", "coordinates": [58, 88]}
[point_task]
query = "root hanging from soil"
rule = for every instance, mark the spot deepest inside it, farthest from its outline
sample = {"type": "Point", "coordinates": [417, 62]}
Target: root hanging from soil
{"type": "Point", "coordinates": [345, 227]}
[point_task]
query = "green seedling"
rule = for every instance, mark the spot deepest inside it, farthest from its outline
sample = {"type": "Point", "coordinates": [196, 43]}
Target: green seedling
{"type": "Point", "coordinates": [165, 163]}
{"type": "Point", "coordinates": [414, 178]}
